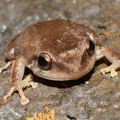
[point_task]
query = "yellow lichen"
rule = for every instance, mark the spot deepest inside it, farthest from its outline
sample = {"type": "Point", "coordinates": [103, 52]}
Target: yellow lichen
{"type": "Point", "coordinates": [47, 114]}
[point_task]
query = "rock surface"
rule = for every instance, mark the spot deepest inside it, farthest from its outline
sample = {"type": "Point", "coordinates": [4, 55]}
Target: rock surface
{"type": "Point", "coordinates": [93, 97]}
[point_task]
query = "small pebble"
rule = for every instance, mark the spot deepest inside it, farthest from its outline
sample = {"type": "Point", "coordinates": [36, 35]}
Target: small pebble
{"type": "Point", "coordinates": [92, 10]}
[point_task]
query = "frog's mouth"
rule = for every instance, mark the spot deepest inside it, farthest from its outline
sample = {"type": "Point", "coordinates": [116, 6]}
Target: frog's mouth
{"type": "Point", "coordinates": [62, 74]}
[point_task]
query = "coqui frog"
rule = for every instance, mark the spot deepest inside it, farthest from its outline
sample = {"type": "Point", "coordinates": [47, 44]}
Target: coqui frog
{"type": "Point", "coordinates": [57, 50]}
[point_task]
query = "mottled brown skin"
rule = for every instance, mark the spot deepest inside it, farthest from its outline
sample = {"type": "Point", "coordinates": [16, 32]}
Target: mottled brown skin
{"type": "Point", "coordinates": [55, 38]}
{"type": "Point", "coordinates": [70, 49]}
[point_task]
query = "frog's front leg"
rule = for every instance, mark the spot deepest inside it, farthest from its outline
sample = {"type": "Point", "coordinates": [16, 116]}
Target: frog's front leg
{"type": "Point", "coordinates": [18, 67]}
{"type": "Point", "coordinates": [112, 56]}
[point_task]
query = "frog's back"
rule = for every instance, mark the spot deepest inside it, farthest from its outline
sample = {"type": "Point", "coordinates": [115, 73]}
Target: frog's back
{"type": "Point", "coordinates": [56, 36]}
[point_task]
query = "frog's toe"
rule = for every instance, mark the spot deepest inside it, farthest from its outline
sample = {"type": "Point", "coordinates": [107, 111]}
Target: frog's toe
{"type": "Point", "coordinates": [105, 70]}
{"type": "Point", "coordinates": [34, 84]}
{"type": "Point", "coordinates": [24, 101]}
{"type": "Point", "coordinates": [112, 71]}
{"type": "Point", "coordinates": [26, 82]}
{"type": "Point", "coordinates": [0, 70]}
{"type": "Point", "coordinates": [2, 101]}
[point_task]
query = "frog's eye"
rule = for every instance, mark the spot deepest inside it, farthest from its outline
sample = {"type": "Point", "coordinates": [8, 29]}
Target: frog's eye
{"type": "Point", "coordinates": [44, 61]}
{"type": "Point", "coordinates": [90, 48]}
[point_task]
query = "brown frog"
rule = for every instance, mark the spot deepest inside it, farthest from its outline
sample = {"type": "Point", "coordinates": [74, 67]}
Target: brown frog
{"type": "Point", "coordinates": [57, 50]}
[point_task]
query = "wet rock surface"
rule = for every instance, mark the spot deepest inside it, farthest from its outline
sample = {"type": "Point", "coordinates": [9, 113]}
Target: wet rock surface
{"type": "Point", "coordinates": [93, 97]}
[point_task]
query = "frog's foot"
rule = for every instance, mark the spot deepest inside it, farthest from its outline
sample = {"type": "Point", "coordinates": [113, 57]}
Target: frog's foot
{"type": "Point", "coordinates": [111, 69]}
{"type": "Point", "coordinates": [6, 66]}
{"type": "Point", "coordinates": [5, 97]}
{"type": "Point", "coordinates": [18, 67]}
{"type": "Point", "coordinates": [23, 99]}
{"type": "Point", "coordinates": [2, 101]}
{"type": "Point", "coordinates": [113, 73]}
{"type": "Point", "coordinates": [28, 82]}
{"type": "Point", "coordinates": [23, 84]}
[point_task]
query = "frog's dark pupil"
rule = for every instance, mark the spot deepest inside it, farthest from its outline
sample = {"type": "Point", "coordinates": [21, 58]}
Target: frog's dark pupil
{"type": "Point", "coordinates": [92, 46]}
{"type": "Point", "coordinates": [42, 61]}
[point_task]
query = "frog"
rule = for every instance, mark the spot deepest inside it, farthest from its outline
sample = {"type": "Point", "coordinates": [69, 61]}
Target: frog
{"type": "Point", "coordinates": [59, 50]}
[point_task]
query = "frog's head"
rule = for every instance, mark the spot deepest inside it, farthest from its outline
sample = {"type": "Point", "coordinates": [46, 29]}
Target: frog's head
{"type": "Point", "coordinates": [67, 64]}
